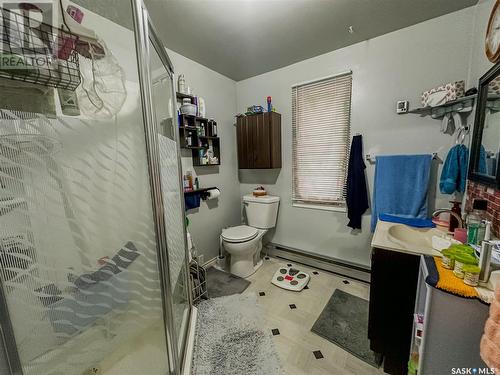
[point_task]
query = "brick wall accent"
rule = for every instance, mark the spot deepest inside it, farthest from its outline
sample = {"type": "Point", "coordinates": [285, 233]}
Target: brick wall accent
{"type": "Point", "coordinates": [492, 195]}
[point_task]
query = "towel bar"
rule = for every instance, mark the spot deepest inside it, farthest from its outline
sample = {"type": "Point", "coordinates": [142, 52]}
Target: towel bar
{"type": "Point", "coordinates": [371, 158]}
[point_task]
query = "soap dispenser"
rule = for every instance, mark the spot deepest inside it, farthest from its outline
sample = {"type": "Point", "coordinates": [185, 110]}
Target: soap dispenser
{"type": "Point", "coordinates": [453, 220]}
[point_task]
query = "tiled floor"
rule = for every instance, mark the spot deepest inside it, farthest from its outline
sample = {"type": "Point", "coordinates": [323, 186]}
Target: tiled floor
{"type": "Point", "coordinates": [290, 316]}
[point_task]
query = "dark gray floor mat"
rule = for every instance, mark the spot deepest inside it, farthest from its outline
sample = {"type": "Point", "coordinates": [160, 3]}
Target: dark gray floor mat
{"type": "Point", "coordinates": [344, 321]}
{"type": "Point", "coordinates": [222, 283]}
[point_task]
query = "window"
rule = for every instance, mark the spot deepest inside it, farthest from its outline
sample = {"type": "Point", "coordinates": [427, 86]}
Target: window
{"type": "Point", "coordinates": [321, 132]}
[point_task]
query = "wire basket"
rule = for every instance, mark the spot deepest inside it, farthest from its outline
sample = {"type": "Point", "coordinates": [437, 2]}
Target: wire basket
{"type": "Point", "coordinates": [43, 55]}
{"type": "Point", "coordinates": [198, 277]}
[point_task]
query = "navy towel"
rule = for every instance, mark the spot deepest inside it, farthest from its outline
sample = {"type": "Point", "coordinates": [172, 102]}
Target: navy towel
{"type": "Point", "coordinates": [401, 186]}
{"type": "Point", "coordinates": [357, 194]}
{"type": "Point", "coordinates": [192, 201]}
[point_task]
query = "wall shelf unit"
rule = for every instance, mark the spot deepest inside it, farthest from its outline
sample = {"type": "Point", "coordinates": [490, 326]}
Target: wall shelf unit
{"type": "Point", "coordinates": [462, 105]}
{"type": "Point", "coordinates": [199, 135]}
{"type": "Point", "coordinates": [204, 192]}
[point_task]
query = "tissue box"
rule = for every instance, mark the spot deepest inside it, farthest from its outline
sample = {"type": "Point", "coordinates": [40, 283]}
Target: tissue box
{"type": "Point", "coordinates": [494, 86]}
{"type": "Point", "coordinates": [443, 94]}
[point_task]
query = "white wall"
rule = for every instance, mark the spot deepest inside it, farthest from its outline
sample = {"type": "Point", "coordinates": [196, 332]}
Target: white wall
{"type": "Point", "coordinates": [392, 67]}
{"type": "Point", "coordinates": [219, 93]}
{"type": "Point", "coordinates": [479, 63]}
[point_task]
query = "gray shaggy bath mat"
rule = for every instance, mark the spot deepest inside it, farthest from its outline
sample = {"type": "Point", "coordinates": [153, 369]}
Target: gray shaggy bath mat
{"type": "Point", "coordinates": [230, 340]}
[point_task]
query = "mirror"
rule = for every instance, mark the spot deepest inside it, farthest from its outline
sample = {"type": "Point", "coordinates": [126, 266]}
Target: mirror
{"type": "Point", "coordinates": [490, 142]}
{"type": "Point", "coordinates": [485, 153]}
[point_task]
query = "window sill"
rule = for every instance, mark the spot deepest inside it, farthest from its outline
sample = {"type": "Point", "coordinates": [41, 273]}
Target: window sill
{"type": "Point", "coordinates": [320, 207]}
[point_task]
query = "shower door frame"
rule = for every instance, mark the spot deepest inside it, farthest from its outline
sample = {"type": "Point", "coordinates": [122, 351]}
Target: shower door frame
{"type": "Point", "coordinates": [145, 32]}
{"type": "Point", "coordinates": [167, 63]}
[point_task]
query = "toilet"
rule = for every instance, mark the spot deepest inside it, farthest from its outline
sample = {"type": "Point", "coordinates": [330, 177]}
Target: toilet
{"type": "Point", "coordinates": [244, 242]}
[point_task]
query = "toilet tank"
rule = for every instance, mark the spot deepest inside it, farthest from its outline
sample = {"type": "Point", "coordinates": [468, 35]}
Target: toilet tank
{"type": "Point", "coordinates": [261, 211]}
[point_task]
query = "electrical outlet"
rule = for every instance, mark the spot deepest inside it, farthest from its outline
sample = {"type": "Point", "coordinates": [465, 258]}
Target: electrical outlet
{"type": "Point", "coordinates": [402, 106]}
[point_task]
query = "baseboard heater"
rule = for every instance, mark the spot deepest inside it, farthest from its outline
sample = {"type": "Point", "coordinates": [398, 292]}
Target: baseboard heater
{"type": "Point", "coordinates": [333, 265]}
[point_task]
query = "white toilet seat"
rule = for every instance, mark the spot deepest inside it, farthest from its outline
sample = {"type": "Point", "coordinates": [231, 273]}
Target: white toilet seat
{"type": "Point", "coordinates": [244, 244]}
{"type": "Point", "coordinates": [240, 233]}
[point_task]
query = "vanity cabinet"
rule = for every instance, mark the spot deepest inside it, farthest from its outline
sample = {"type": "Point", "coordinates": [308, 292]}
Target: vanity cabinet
{"type": "Point", "coordinates": [259, 141]}
{"type": "Point", "coordinates": [393, 288]}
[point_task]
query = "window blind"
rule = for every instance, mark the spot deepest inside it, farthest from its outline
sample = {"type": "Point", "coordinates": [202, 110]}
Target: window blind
{"type": "Point", "coordinates": [321, 132]}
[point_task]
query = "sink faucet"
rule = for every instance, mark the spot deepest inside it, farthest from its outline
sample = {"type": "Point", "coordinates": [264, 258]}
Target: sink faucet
{"type": "Point", "coordinates": [439, 211]}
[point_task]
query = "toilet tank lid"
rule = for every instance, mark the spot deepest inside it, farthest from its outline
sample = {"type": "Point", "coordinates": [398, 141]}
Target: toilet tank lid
{"type": "Point", "coordinates": [262, 199]}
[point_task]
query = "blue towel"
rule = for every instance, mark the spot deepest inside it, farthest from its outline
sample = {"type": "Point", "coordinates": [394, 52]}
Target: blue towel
{"type": "Point", "coordinates": [454, 173]}
{"type": "Point", "coordinates": [411, 221]}
{"type": "Point", "coordinates": [401, 186]}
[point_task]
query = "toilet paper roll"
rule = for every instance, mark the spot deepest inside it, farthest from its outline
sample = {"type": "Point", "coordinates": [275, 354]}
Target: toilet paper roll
{"type": "Point", "coordinates": [213, 194]}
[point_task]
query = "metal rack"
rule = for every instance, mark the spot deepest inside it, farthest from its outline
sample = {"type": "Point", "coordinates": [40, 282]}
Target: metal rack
{"type": "Point", "coordinates": [44, 55]}
{"type": "Point", "coordinates": [198, 277]}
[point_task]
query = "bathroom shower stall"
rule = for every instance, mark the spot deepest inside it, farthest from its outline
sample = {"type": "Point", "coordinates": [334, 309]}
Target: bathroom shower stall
{"type": "Point", "coordinates": [93, 261]}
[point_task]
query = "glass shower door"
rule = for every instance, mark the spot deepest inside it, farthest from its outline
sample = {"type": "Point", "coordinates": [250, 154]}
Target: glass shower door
{"type": "Point", "coordinates": [80, 255]}
{"type": "Point", "coordinates": [166, 127]}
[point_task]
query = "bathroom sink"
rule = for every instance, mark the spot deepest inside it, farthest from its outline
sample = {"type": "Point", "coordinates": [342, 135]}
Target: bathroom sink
{"type": "Point", "coordinates": [400, 237]}
{"type": "Point", "coordinates": [421, 237]}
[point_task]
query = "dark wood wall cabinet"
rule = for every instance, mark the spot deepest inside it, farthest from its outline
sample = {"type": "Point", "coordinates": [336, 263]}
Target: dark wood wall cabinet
{"type": "Point", "coordinates": [259, 141]}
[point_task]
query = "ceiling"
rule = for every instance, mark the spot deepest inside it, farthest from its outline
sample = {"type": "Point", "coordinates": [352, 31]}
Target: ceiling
{"type": "Point", "coordinates": [244, 38]}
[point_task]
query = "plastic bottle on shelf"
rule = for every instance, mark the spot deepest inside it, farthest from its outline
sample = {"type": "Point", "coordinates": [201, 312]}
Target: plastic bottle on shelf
{"type": "Point", "coordinates": [181, 83]}
{"type": "Point", "coordinates": [189, 176]}
{"type": "Point", "coordinates": [185, 183]}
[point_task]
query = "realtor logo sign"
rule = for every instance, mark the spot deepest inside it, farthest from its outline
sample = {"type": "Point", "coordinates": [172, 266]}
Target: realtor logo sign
{"type": "Point", "coordinates": [27, 38]}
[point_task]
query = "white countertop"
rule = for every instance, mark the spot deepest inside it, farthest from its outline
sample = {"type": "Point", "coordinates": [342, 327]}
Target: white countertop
{"type": "Point", "coordinates": [415, 241]}
{"type": "Point", "coordinates": [382, 239]}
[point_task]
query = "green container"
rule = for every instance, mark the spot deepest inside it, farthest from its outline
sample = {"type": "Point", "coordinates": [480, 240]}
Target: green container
{"type": "Point", "coordinates": [448, 259]}
{"type": "Point", "coordinates": [461, 260]}
{"type": "Point", "coordinates": [412, 367]}
{"type": "Point", "coordinates": [472, 233]}
{"type": "Point", "coordinates": [462, 249]}
{"type": "Point", "coordinates": [471, 274]}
